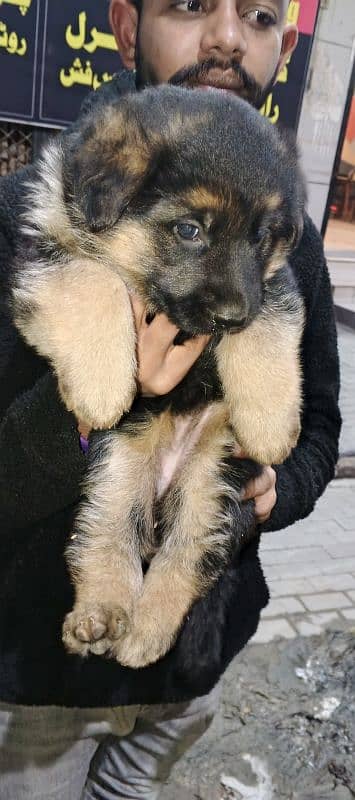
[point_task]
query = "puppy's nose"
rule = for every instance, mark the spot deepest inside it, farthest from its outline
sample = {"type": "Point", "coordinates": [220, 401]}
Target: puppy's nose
{"type": "Point", "coordinates": [230, 319]}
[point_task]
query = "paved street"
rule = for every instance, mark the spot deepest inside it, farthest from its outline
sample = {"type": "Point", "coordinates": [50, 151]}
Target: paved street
{"type": "Point", "coordinates": [310, 567]}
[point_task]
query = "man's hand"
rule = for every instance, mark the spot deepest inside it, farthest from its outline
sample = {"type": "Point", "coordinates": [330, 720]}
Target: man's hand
{"type": "Point", "coordinates": [263, 491]}
{"type": "Point", "coordinates": [161, 364]}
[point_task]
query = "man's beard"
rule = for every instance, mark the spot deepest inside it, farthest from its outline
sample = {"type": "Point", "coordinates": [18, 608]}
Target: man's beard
{"type": "Point", "coordinates": [247, 87]}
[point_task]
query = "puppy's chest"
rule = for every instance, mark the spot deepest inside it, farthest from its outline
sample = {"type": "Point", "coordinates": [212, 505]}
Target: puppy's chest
{"type": "Point", "coordinates": [172, 457]}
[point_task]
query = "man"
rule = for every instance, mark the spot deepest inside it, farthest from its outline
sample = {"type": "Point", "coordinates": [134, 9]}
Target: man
{"type": "Point", "coordinates": [55, 709]}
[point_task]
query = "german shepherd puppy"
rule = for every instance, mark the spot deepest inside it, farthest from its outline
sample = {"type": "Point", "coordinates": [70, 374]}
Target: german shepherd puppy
{"type": "Point", "coordinates": [193, 201]}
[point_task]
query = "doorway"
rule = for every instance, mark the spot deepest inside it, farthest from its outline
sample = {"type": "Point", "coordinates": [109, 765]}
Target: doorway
{"type": "Point", "coordinates": [340, 219]}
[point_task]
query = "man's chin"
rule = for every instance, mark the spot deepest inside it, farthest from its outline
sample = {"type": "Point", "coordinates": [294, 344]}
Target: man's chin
{"type": "Point", "coordinates": [256, 102]}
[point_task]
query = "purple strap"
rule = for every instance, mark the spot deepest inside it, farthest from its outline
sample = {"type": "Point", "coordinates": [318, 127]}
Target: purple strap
{"type": "Point", "coordinates": [84, 444]}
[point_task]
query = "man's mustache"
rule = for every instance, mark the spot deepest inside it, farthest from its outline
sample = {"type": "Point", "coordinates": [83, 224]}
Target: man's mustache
{"type": "Point", "coordinates": [247, 87]}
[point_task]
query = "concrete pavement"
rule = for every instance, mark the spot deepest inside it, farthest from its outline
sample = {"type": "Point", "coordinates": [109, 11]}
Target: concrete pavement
{"type": "Point", "coordinates": [310, 566]}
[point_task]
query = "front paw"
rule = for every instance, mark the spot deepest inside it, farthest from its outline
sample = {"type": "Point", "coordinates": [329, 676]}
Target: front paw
{"type": "Point", "coordinates": [269, 441]}
{"type": "Point", "coordinates": [101, 405]}
{"type": "Point", "coordinates": [94, 628]}
{"type": "Point", "coordinates": [144, 643]}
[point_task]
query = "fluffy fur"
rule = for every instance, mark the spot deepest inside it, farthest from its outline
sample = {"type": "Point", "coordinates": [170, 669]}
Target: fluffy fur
{"type": "Point", "coordinates": [192, 200]}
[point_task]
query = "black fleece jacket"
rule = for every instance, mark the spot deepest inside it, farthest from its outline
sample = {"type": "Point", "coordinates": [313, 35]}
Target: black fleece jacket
{"type": "Point", "coordinates": [41, 466]}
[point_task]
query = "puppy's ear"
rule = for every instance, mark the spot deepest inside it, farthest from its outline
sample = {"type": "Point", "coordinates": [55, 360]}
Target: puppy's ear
{"type": "Point", "coordinates": [295, 187]}
{"type": "Point", "coordinates": [107, 158]}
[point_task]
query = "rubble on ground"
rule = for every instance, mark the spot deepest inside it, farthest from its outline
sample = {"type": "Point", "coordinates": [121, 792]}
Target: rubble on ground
{"type": "Point", "coordinates": [286, 730]}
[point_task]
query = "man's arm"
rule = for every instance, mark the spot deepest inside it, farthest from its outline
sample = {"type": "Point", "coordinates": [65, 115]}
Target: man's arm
{"type": "Point", "coordinates": [301, 480]}
{"type": "Point", "coordinates": [41, 463]}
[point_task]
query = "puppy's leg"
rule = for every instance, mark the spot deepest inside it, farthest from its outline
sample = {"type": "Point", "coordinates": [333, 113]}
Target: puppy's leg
{"type": "Point", "coordinates": [261, 376]}
{"type": "Point", "coordinates": [78, 315]}
{"type": "Point", "coordinates": [112, 533]}
{"type": "Point", "coordinates": [196, 546]}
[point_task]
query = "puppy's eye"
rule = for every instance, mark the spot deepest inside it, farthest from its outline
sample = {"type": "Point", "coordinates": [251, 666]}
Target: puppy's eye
{"type": "Point", "coordinates": [187, 231]}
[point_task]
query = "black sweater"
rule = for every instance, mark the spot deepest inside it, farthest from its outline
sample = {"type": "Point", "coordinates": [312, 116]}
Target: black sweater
{"type": "Point", "coordinates": [41, 466]}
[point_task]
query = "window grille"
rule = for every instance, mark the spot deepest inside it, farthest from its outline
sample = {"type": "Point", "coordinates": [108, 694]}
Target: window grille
{"type": "Point", "coordinates": [15, 147]}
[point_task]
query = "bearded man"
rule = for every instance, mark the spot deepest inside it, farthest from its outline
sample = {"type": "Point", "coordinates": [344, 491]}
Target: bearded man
{"type": "Point", "coordinates": [74, 730]}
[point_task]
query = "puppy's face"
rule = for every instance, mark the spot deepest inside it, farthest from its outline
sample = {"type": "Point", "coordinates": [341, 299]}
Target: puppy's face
{"type": "Point", "coordinates": [209, 256]}
{"type": "Point", "coordinates": [194, 197]}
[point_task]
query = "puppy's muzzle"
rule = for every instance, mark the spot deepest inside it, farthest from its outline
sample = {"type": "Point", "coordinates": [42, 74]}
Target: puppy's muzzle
{"type": "Point", "coordinates": [231, 320]}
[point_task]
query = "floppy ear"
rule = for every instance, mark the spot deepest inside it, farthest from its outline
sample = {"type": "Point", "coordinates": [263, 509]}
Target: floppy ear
{"type": "Point", "coordinates": [106, 159]}
{"type": "Point", "coordinates": [261, 376]}
{"type": "Point", "coordinates": [295, 188]}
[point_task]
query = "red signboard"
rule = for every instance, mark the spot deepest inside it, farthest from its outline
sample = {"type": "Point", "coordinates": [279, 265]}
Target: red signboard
{"type": "Point", "coordinates": [307, 16]}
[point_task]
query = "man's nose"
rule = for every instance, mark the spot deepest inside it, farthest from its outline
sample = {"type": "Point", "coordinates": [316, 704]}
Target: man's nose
{"type": "Point", "coordinates": [224, 32]}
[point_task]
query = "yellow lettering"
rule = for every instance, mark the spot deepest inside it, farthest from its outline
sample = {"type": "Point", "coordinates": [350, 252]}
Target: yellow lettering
{"type": "Point", "coordinates": [293, 12]}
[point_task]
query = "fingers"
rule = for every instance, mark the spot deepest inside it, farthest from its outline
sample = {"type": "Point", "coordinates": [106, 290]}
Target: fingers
{"type": "Point", "coordinates": [182, 357]}
{"type": "Point", "coordinates": [161, 363]}
{"type": "Point", "coordinates": [160, 332]}
{"type": "Point", "coordinates": [259, 486]}
{"type": "Point", "coordinates": [263, 491]}
{"type": "Point", "coordinates": [264, 505]}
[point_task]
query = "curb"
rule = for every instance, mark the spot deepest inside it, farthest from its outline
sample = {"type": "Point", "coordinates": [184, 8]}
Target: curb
{"type": "Point", "coordinates": [345, 467]}
{"type": "Point", "coordinates": [344, 315]}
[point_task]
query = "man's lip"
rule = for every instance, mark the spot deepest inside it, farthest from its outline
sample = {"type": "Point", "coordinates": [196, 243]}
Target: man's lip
{"type": "Point", "coordinates": [227, 80]}
{"type": "Point", "coordinates": [219, 88]}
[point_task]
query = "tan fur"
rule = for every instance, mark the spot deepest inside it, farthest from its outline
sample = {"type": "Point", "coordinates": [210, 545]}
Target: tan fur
{"type": "Point", "coordinates": [138, 620]}
{"type": "Point", "coordinates": [104, 558]}
{"type": "Point", "coordinates": [124, 142]}
{"type": "Point", "coordinates": [277, 260]}
{"type": "Point", "coordinates": [47, 210]}
{"type": "Point", "coordinates": [91, 345]}
{"type": "Point", "coordinates": [273, 202]}
{"type": "Point", "coordinates": [180, 125]}
{"type": "Point", "coordinates": [260, 372]}
{"type": "Point", "coordinates": [192, 516]}
{"type": "Point", "coordinates": [202, 198]}
{"type": "Point", "coordinates": [128, 248]}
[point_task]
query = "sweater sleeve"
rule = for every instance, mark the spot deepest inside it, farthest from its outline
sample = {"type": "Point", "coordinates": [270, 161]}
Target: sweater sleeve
{"type": "Point", "coordinates": [305, 474]}
{"type": "Point", "coordinates": [41, 463]}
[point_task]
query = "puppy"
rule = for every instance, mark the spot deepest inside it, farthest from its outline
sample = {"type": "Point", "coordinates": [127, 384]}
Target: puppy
{"type": "Point", "coordinates": [193, 201]}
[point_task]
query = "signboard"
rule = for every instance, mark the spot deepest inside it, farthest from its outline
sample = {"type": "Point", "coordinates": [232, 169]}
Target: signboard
{"type": "Point", "coordinates": [284, 102]}
{"type": "Point", "coordinates": [52, 52]}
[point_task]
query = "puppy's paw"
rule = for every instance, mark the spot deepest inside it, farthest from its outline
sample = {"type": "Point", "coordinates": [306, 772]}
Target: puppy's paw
{"type": "Point", "coordinates": [145, 642]}
{"type": "Point", "coordinates": [99, 401]}
{"type": "Point", "coordinates": [94, 628]}
{"type": "Point", "coordinates": [269, 440]}
{"type": "Point", "coordinates": [81, 320]}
